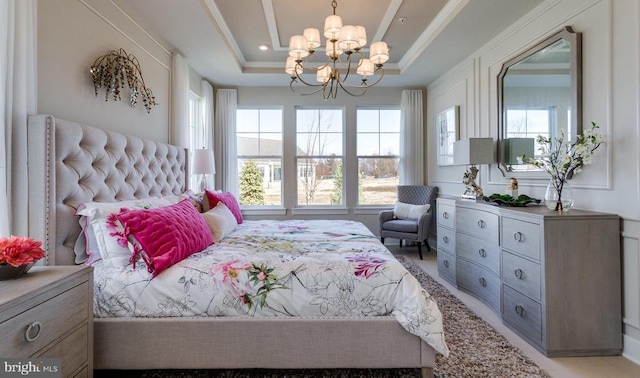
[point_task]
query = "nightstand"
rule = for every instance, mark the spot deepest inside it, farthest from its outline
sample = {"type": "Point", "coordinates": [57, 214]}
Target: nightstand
{"type": "Point", "coordinates": [48, 313]}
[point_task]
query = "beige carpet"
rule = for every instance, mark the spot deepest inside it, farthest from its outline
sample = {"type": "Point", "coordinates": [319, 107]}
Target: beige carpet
{"type": "Point", "coordinates": [476, 350]}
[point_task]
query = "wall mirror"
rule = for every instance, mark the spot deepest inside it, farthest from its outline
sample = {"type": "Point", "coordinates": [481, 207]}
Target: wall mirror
{"type": "Point", "coordinates": [539, 93]}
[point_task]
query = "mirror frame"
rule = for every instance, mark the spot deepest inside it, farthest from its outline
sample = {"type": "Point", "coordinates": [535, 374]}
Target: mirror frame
{"type": "Point", "coordinates": [575, 40]}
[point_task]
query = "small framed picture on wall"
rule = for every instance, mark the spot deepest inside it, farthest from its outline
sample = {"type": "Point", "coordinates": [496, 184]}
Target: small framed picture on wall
{"type": "Point", "coordinates": [447, 131]}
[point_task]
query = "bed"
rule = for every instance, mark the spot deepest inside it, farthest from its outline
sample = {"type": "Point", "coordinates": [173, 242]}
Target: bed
{"type": "Point", "coordinates": [80, 164]}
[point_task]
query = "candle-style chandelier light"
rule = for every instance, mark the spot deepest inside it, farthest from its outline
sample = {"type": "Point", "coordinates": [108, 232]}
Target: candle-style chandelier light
{"type": "Point", "coordinates": [334, 73]}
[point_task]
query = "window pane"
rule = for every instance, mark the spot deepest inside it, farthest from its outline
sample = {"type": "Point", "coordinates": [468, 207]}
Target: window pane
{"type": "Point", "coordinates": [271, 120]}
{"type": "Point", "coordinates": [319, 181]}
{"type": "Point", "coordinates": [247, 120]}
{"type": "Point", "coordinates": [248, 144]}
{"type": "Point", "coordinates": [260, 181]}
{"type": "Point", "coordinates": [367, 120]}
{"type": "Point", "coordinates": [368, 144]}
{"type": "Point", "coordinates": [390, 121]}
{"type": "Point", "coordinates": [307, 120]}
{"type": "Point", "coordinates": [330, 144]}
{"type": "Point", "coordinates": [390, 144]}
{"type": "Point", "coordinates": [307, 144]}
{"type": "Point", "coordinates": [378, 181]}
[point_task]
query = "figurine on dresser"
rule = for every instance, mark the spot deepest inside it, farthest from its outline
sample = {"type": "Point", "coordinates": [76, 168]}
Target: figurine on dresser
{"type": "Point", "coordinates": [472, 190]}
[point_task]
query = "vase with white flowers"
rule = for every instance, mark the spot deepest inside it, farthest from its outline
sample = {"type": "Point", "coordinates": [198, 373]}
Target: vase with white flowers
{"type": "Point", "coordinates": [562, 158]}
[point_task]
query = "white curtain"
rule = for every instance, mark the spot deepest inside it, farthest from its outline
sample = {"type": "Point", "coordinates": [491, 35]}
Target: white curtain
{"type": "Point", "coordinates": [411, 169]}
{"type": "Point", "coordinates": [179, 102]}
{"type": "Point", "coordinates": [225, 138]}
{"type": "Point", "coordinates": [207, 121]}
{"type": "Point", "coordinates": [18, 98]}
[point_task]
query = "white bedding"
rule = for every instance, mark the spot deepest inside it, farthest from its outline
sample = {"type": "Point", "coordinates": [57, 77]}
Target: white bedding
{"type": "Point", "coordinates": [278, 269]}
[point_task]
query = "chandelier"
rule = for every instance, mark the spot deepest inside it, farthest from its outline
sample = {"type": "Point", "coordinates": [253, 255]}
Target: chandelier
{"type": "Point", "coordinates": [338, 68]}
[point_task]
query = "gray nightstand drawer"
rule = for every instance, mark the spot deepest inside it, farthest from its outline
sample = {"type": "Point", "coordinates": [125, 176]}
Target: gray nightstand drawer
{"type": "Point", "coordinates": [522, 313]}
{"type": "Point", "coordinates": [446, 239]}
{"type": "Point", "coordinates": [48, 321]}
{"type": "Point", "coordinates": [480, 251]}
{"type": "Point", "coordinates": [72, 350]}
{"type": "Point", "coordinates": [478, 223]}
{"type": "Point", "coordinates": [446, 214]}
{"type": "Point", "coordinates": [447, 266]}
{"type": "Point", "coordinates": [522, 275]}
{"type": "Point", "coordinates": [521, 237]}
{"type": "Point", "coordinates": [480, 282]}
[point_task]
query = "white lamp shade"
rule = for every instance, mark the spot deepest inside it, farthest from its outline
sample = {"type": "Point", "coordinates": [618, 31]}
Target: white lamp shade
{"type": "Point", "coordinates": [332, 26]}
{"type": "Point", "coordinates": [313, 38]}
{"type": "Point", "coordinates": [362, 36]}
{"type": "Point", "coordinates": [203, 162]}
{"type": "Point", "coordinates": [292, 66]}
{"type": "Point", "coordinates": [473, 151]}
{"type": "Point", "coordinates": [333, 49]}
{"type": "Point", "coordinates": [324, 74]}
{"type": "Point", "coordinates": [348, 38]}
{"type": "Point", "coordinates": [512, 148]}
{"type": "Point", "coordinates": [379, 52]}
{"type": "Point", "coordinates": [298, 46]}
{"type": "Point", "coordinates": [365, 67]}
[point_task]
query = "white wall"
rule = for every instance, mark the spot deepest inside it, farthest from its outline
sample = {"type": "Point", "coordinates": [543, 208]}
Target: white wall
{"type": "Point", "coordinates": [611, 96]}
{"type": "Point", "coordinates": [71, 35]}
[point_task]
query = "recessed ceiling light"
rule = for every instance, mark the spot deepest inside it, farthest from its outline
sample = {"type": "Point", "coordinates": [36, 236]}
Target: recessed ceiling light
{"type": "Point", "coordinates": [264, 47]}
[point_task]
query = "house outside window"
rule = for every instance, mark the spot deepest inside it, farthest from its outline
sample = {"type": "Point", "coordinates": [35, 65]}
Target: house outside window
{"type": "Point", "coordinates": [378, 150]}
{"type": "Point", "coordinates": [319, 156]}
{"type": "Point", "coordinates": [259, 146]}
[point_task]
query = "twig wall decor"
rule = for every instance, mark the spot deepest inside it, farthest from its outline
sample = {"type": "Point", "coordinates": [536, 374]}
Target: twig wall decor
{"type": "Point", "coordinates": [112, 70]}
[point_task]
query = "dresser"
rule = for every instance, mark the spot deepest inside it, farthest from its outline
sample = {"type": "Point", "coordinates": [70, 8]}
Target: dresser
{"type": "Point", "coordinates": [553, 278]}
{"type": "Point", "coordinates": [48, 313]}
{"type": "Point", "coordinates": [446, 239]}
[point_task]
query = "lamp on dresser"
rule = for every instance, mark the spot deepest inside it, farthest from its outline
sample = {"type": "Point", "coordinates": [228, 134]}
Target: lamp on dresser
{"type": "Point", "coordinates": [203, 164]}
{"type": "Point", "coordinates": [471, 152]}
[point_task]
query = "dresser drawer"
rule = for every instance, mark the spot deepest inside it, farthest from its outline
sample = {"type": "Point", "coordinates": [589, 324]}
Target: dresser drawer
{"type": "Point", "coordinates": [479, 281]}
{"type": "Point", "coordinates": [522, 313]}
{"type": "Point", "coordinates": [446, 215]}
{"type": "Point", "coordinates": [478, 223]}
{"type": "Point", "coordinates": [72, 350]}
{"type": "Point", "coordinates": [522, 275]}
{"type": "Point", "coordinates": [447, 266]}
{"type": "Point", "coordinates": [446, 239]}
{"type": "Point", "coordinates": [521, 237]}
{"type": "Point", "coordinates": [55, 317]}
{"type": "Point", "coordinates": [480, 251]}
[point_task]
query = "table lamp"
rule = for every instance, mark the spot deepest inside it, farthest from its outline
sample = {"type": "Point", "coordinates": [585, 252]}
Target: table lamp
{"type": "Point", "coordinates": [470, 152]}
{"type": "Point", "coordinates": [203, 164]}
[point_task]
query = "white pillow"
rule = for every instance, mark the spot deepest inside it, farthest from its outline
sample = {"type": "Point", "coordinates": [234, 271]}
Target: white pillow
{"type": "Point", "coordinates": [104, 242]}
{"type": "Point", "coordinates": [221, 221]}
{"type": "Point", "coordinates": [408, 211]}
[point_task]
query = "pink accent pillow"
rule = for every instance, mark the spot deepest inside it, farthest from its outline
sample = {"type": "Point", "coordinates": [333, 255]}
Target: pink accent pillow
{"type": "Point", "coordinates": [229, 201]}
{"type": "Point", "coordinates": [166, 235]}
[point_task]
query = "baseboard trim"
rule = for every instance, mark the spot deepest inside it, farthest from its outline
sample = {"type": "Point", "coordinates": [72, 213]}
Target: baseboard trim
{"type": "Point", "coordinates": [631, 349]}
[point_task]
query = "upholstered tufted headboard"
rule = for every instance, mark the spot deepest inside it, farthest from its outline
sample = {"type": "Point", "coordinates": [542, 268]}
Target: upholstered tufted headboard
{"type": "Point", "coordinates": [70, 164]}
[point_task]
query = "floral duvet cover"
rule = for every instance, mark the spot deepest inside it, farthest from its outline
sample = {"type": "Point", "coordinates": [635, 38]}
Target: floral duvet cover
{"type": "Point", "coordinates": [278, 269]}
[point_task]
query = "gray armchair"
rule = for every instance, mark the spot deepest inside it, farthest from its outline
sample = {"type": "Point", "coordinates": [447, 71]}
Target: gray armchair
{"type": "Point", "coordinates": [409, 229]}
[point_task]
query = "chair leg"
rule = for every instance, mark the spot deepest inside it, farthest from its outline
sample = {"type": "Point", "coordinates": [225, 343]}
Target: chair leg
{"type": "Point", "coordinates": [400, 242]}
{"type": "Point", "coordinates": [426, 242]}
{"type": "Point", "coordinates": [382, 240]}
{"type": "Point", "coordinates": [420, 250]}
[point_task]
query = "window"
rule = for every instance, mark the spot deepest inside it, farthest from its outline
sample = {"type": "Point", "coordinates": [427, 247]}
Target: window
{"type": "Point", "coordinates": [529, 123]}
{"type": "Point", "coordinates": [319, 156]}
{"type": "Point", "coordinates": [196, 131]}
{"type": "Point", "coordinates": [378, 149]}
{"type": "Point", "coordinates": [259, 138]}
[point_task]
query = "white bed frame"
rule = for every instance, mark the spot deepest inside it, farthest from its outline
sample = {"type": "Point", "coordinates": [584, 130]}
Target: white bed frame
{"type": "Point", "coordinates": [71, 163]}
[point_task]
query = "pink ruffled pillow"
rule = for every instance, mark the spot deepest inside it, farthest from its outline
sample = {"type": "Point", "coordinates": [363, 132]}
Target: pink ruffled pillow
{"type": "Point", "coordinates": [229, 201]}
{"type": "Point", "coordinates": [166, 235]}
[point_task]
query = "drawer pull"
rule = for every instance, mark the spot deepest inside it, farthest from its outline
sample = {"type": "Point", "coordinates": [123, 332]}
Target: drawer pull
{"type": "Point", "coordinates": [481, 223]}
{"type": "Point", "coordinates": [519, 273]}
{"type": "Point", "coordinates": [445, 263]}
{"type": "Point", "coordinates": [520, 310]}
{"type": "Point", "coordinates": [32, 331]}
{"type": "Point", "coordinates": [445, 215]}
{"type": "Point", "coordinates": [482, 281]}
{"type": "Point", "coordinates": [445, 239]}
{"type": "Point", "coordinates": [482, 252]}
{"type": "Point", "coordinates": [518, 236]}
